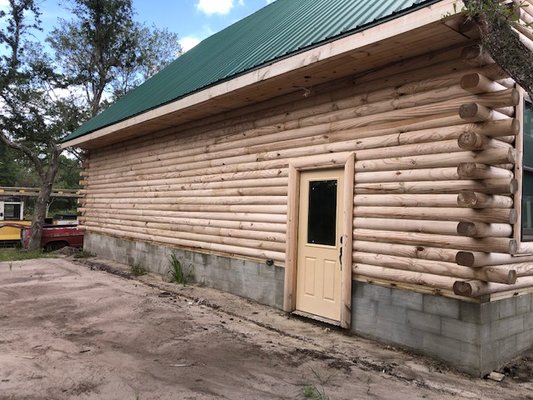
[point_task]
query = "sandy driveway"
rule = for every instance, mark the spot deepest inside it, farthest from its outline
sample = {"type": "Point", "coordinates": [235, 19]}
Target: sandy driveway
{"type": "Point", "coordinates": [71, 332]}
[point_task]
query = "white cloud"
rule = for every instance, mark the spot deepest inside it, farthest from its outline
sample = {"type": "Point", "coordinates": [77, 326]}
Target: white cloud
{"type": "Point", "coordinates": [188, 42]}
{"type": "Point", "coordinates": [270, 1]}
{"type": "Point", "coordinates": [210, 7]}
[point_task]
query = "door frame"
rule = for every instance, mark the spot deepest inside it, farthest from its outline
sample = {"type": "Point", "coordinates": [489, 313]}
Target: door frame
{"type": "Point", "coordinates": [328, 161]}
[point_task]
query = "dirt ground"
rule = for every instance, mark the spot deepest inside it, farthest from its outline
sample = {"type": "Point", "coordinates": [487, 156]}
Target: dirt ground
{"type": "Point", "coordinates": [69, 330]}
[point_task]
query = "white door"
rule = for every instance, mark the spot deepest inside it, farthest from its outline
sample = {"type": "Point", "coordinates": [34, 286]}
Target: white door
{"type": "Point", "coordinates": [1, 210]}
{"type": "Point", "coordinates": [318, 284]}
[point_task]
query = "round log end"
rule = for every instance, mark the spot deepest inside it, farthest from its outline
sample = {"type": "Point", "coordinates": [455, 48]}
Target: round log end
{"type": "Point", "coordinates": [465, 258]}
{"type": "Point", "coordinates": [467, 229]}
{"type": "Point", "coordinates": [470, 81]}
{"type": "Point", "coordinates": [513, 245]}
{"type": "Point", "coordinates": [468, 110]}
{"type": "Point", "coordinates": [513, 216]}
{"type": "Point", "coordinates": [471, 52]}
{"type": "Point", "coordinates": [515, 127]}
{"type": "Point", "coordinates": [467, 199]}
{"type": "Point", "coordinates": [515, 97]}
{"type": "Point", "coordinates": [471, 141]}
{"type": "Point", "coordinates": [461, 288]}
{"type": "Point", "coordinates": [513, 187]}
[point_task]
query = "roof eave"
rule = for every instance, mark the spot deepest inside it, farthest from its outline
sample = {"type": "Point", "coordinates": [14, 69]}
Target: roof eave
{"type": "Point", "coordinates": [388, 29]}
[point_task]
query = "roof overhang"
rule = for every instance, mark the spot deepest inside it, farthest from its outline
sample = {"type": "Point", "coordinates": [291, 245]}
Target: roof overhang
{"type": "Point", "coordinates": [419, 32]}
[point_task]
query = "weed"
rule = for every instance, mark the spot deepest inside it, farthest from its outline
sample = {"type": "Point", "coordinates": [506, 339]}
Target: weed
{"type": "Point", "coordinates": [177, 273]}
{"type": "Point", "coordinates": [137, 269]}
{"type": "Point", "coordinates": [311, 392]}
{"type": "Point", "coordinates": [83, 254]}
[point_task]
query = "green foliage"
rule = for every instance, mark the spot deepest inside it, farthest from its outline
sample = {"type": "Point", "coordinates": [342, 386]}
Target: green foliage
{"type": "Point", "coordinates": [177, 273]}
{"type": "Point", "coordinates": [18, 254]}
{"type": "Point", "coordinates": [137, 269]}
{"type": "Point", "coordinates": [311, 392]}
{"type": "Point", "coordinates": [102, 49]}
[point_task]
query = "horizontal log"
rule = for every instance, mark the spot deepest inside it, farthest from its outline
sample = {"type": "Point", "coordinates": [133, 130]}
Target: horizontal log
{"type": "Point", "coordinates": [498, 245]}
{"type": "Point", "coordinates": [219, 200]}
{"type": "Point", "coordinates": [406, 225]}
{"type": "Point", "coordinates": [477, 83]}
{"type": "Point", "coordinates": [231, 250]}
{"type": "Point", "coordinates": [476, 288]}
{"type": "Point", "coordinates": [501, 128]}
{"type": "Point", "coordinates": [471, 199]}
{"type": "Point", "coordinates": [504, 216]}
{"type": "Point", "coordinates": [482, 171]}
{"type": "Point", "coordinates": [480, 259]}
{"type": "Point", "coordinates": [494, 156]}
{"type": "Point", "coordinates": [190, 208]}
{"type": "Point", "coordinates": [474, 112]}
{"type": "Point", "coordinates": [195, 229]}
{"type": "Point", "coordinates": [421, 252]}
{"type": "Point", "coordinates": [197, 238]}
{"type": "Point", "coordinates": [496, 186]}
{"type": "Point", "coordinates": [408, 175]}
{"type": "Point", "coordinates": [434, 267]}
{"type": "Point", "coordinates": [103, 217]}
{"type": "Point", "coordinates": [407, 277]}
{"type": "Point", "coordinates": [480, 230]}
{"type": "Point", "coordinates": [406, 200]}
{"type": "Point", "coordinates": [233, 214]}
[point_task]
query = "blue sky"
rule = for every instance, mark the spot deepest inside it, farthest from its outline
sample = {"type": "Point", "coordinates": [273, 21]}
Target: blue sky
{"type": "Point", "coordinates": [192, 20]}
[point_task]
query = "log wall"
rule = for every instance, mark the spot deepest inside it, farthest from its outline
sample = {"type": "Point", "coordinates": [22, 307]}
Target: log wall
{"type": "Point", "coordinates": [433, 139]}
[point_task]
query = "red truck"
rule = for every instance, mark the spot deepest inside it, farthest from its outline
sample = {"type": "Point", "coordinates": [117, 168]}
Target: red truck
{"type": "Point", "coordinates": [55, 237]}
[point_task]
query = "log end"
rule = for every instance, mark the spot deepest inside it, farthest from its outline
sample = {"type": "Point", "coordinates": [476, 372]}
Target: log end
{"type": "Point", "coordinates": [467, 199]}
{"type": "Point", "coordinates": [467, 229]}
{"type": "Point", "coordinates": [462, 288]}
{"type": "Point", "coordinates": [465, 258]}
{"type": "Point", "coordinates": [470, 81]}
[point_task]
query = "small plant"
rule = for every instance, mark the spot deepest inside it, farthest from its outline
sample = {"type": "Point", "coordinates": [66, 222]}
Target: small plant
{"type": "Point", "coordinates": [83, 254]}
{"type": "Point", "coordinates": [177, 273]}
{"type": "Point", "coordinates": [312, 393]}
{"type": "Point", "coordinates": [137, 269]}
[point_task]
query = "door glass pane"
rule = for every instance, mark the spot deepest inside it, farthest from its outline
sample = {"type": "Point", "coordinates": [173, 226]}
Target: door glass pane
{"type": "Point", "coordinates": [321, 223]}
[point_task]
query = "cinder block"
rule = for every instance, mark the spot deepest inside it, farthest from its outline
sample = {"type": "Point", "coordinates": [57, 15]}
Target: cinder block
{"type": "Point", "coordinates": [424, 322]}
{"type": "Point", "coordinates": [407, 299]}
{"type": "Point", "coordinates": [474, 312]}
{"type": "Point", "coordinates": [389, 312]}
{"type": "Point", "coordinates": [364, 313]}
{"type": "Point", "coordinates": [443, 306]}
{"type": "Point", "coordinates": [461, 330]}
{"type": "Point", "coordinates": [523, 304]}
{"type": "Point", "coordinates": [463, 355]}
{"type": "Point", "coordinates": [379, 293]}
{"type": "Point", "coordinates": [504, 308]}
{"type": "Point", "coordinates": [506, 348]}
{"type": "Point", "coordinates": [506, 327]}
{"type": "Point", "coordinates": [524, 341]}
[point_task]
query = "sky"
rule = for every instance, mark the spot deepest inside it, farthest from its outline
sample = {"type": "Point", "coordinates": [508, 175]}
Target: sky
{"type": "Point", "coordinates": [192, 20]}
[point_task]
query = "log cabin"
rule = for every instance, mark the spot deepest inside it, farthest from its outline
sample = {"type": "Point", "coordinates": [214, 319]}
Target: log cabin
{"type": "Point", "coordinates": [363, 164]}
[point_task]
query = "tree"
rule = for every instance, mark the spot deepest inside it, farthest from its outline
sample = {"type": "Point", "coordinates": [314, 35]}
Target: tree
{"type": "Point", "coordinates": [41, 103]}
{"type": "Point", "coordinates": [103, 49]}
{"type": "Point", "coordinates": [498, 24]}
{"type": "Point", "coordinates": [32, 119]}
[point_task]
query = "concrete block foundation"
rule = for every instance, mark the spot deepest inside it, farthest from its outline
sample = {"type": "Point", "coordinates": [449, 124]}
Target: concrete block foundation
{"type": "Point", "coordinates": [250, 279]}
{"type": "Point", "coordinates": [473, 337]}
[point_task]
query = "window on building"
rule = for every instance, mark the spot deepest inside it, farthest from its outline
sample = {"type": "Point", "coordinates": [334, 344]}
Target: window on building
{"type": "Point", "coordinates": [12, 211]}
{"type": "Point", "coordinates": [527, 181]}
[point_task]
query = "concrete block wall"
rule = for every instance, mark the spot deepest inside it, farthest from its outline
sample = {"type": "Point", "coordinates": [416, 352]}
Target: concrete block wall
{"type": "Point", "coordinates": [474, 337]}
{"type": "Point", "coordinates": [250, 279]}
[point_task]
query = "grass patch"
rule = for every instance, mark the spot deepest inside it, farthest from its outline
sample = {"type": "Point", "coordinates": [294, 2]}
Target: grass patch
{"type": "Point", "coordinates": [311, 392]}
{"type": "Point", "coordinates": [18, 254]}
{"type": "Point", "coordinates": [137, 269]}
{"type": "Point", "coordinates": [177, 273]}
{"type": "Point", "coordinates": [83, 254]}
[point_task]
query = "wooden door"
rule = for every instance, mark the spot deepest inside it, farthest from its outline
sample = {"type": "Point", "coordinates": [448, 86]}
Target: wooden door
{"type": "Point", "coordinates": [318, 282]}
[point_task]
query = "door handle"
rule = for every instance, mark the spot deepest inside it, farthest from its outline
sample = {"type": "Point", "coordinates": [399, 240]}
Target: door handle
{"type": "Point", "coordinates": [340, 253]}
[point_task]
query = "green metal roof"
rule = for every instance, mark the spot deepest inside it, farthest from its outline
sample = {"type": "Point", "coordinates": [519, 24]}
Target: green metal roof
{"type": "Point", "coordinates": [280, 29]}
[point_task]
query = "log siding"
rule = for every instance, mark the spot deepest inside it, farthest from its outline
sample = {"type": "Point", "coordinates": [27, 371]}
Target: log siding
{"type": "Point", "coordinates": [434, 187]}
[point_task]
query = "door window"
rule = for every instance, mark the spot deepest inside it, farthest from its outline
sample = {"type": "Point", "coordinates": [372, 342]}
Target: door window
{"type": "Point", "coordinates": [321, 223]}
